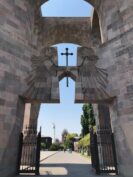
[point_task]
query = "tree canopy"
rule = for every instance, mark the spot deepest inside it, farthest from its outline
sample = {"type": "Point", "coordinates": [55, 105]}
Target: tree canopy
{"type": "Point", "coordinates": [68, 143]}
{"type": "Point", "coordinates": [87, 118]}
{"type": "Point", "coordinates": [84, 142]}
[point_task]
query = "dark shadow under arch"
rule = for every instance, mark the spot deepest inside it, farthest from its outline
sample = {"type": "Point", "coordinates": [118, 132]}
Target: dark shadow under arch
{"type": "Point", "coordinates": [96, 31]}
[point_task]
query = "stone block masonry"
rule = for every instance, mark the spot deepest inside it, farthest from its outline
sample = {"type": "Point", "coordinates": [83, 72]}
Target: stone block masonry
{"type": "Point", "coordinates": [15, 53]}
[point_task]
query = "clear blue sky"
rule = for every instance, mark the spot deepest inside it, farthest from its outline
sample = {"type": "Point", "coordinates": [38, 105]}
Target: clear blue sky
{"type": "Point", "coordinates": [66, 8]}
{"type": "Point", "coordinates": [65, 115]}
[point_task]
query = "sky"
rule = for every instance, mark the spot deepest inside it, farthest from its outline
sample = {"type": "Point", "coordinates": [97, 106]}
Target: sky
{"type": "Point", "coordinates": [65, 115]}
{"type": "Point", "coordinates": [66, 8]}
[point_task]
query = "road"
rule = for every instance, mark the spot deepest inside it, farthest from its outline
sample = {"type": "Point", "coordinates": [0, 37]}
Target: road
{"type": "Point", "coordinates": [65, 164]}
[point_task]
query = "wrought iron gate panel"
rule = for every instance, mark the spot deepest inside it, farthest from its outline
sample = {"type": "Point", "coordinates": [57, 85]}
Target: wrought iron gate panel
{"type": "Point", "coordinates": [94, 151]}
{"type": "Point", "coordinates": [103, 153]}
{"type": "Point", "coordinates": [29, 151]}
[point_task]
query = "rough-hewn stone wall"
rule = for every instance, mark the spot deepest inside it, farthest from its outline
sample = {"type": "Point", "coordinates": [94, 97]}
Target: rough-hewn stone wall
{"type": "Point", "coordinates": [116, 55]}
{"type": "Point", "coordinates": [16, 19]}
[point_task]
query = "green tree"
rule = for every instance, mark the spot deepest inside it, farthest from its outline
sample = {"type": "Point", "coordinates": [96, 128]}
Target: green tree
{"type": "Point", "coordinates": [84, 144]}
{"type": "Point", "coordinates": [87, 118]}
{"type": "Point", "coordinates": [92, 121]}
{"type": "Point", "coordinates": [70, 136]}
{"type": "Point", "coordinates": [43, 146]}
{"type": "Point", "coordinates": [56, 146]}
{"type": "Point", "coordinates": [68, 143]}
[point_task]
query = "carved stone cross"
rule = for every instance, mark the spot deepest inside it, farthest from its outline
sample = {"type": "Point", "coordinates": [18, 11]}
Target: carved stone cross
{"type": "Point", "coordinates": [67, 54]}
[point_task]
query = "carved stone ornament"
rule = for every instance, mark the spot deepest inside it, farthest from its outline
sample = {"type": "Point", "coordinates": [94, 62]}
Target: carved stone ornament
{"type": "Point", "coordinates": [93, 80]}
{"type": "Point", "coordinates": [41, 77]}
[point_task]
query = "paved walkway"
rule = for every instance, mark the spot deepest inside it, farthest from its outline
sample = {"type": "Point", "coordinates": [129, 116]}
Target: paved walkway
{"type": "Point", "coordinates": [65, 164]}
{"type": "Point", "coordinates": [46, 154]}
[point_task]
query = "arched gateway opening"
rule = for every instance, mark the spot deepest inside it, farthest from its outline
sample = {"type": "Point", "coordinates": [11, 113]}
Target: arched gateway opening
{"type": "Point", "coordinates": [30, 76]}
{"type": "Point", "coordinates": [91, 84]}
{"type": "Point", "coordinates": [103, 125]}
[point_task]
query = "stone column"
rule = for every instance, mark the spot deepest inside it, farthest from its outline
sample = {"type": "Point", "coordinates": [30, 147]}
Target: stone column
{"type": "Point", "coordinates": [27, 114]}
{"type": "Point", "coordinates": [31, 115]}
{"type": "Point", "coordinates": [16, 23]}
{"type": "Point", "coordinates": [35, 108]}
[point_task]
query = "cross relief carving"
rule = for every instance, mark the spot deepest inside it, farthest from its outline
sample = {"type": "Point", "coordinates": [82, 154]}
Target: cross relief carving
{"type": "Point", "coordinates": [43, 81]}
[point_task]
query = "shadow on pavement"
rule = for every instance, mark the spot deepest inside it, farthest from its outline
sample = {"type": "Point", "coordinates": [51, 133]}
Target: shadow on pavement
{"type": "Point", "coordinates": [66, 170]}
{"type": "Point", "coordinates": [69, 170]}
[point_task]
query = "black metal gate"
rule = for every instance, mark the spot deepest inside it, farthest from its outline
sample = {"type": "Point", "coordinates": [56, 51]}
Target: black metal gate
{"type": "Point", "coordinates": [29, 151]}
{"type": "Point", "coordinates": [103, 153]}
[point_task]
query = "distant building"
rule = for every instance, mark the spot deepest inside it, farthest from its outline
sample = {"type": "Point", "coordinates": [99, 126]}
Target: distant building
{"type": "Point", "coordinates": [47, 141]}
{"type": "Point", "coordinates": [64, 134]}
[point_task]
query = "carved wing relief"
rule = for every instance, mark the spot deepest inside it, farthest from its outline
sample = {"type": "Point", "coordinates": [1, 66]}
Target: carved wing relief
{"type": "Point", "coordinates": [93, 79]}
{"type": "Point", "coordinates": [40, 79]}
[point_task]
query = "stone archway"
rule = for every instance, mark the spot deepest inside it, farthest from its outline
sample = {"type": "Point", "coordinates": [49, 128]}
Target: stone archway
{"type": "Point", "coordinates": [91, 80]}
{"type": "Point", "coordinates": [18, 46]}
{"type": "Point", "coordinates": [70, 28]}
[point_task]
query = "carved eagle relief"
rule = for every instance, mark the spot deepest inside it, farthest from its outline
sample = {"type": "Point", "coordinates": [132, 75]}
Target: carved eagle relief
{"type": "Point", "coordinates": [40, 79]}
{"type": "Point", "coordinates": [93, 79]}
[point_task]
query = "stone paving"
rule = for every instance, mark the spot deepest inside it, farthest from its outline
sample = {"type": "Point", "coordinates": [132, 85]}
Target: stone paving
{"type": "Point", "coordinates": [65, 164]}
{"type": "Point", "coordinates": [46, 154]}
